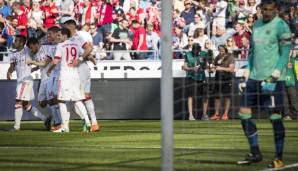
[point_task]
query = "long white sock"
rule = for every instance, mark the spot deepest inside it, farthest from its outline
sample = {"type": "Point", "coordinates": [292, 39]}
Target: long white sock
{"type": "Point", "coordinates": [18, 113]}
{"type": "Point", "coordinates": [80, 106]}
{"type": "Point", "coordinates": [78, 112]}
{"type": "Point", "coordinates": [36, 113]}
{"type": "Point", "coordinates": [64, 115]}
{"type": "Point", "coordinates": [90, 109]}
{"type": "Point", "coordinates": [56, 114]}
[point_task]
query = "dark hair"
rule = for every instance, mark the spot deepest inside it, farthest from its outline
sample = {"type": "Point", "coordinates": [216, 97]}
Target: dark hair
{"type": "Point", "coordinates": [65, 31]}
{"type": "Point", "coordinates": [269, 2]}
{"type": "Point", "coordinates": [22, 38]}
{"type": "Point", "coordinates": [223, 46]}
{"type": "Point", "coordinates": [134, 22]}
{"type": "Point", "coordinates": [32, 41]}
{"type": "Point", "coordinates": [54, 29]}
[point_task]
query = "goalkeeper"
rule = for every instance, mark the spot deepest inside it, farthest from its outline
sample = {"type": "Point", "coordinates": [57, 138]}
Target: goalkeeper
{"type": "Point", "coordinates": [268, 56]}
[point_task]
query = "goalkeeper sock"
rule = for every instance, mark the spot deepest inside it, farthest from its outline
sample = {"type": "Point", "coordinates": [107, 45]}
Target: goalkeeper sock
{"type": "Point", "coordinates": [251, 132]}
{"type": "Point", "coordinates": [279, 135]}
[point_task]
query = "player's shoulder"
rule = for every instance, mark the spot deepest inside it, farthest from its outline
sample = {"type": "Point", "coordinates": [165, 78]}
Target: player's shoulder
{"type": "Point", "coordinates": [280, 22]}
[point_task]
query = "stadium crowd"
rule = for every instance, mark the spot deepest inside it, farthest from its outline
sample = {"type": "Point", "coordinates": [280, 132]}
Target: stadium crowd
{"type": "Point", "coordinates": [208, 22]}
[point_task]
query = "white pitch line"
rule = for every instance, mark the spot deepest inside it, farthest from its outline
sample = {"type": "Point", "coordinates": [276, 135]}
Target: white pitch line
{"type": "Point", "coordinates": [110, 147]}
{"type": "Point", "coordinates": [286, 167]}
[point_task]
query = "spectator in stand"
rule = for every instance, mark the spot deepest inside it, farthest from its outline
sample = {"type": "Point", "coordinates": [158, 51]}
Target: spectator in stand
{"type": "Point", "coordinates": [88, 13]}
{"type": "Point", "coordinates": [251, 6]}
{"type": "Point", "coordinates": [188, 13]}
{"type": "Point", "coordinates": [176, 16]}
{"type": "Point", "coordinates": [220, 36]}
{"type": "Point", "coordinates": [121, 41]}
{"type": "Point", "coordinates": [5, 10]}
{"type": "Point", "coordinates": [219, 13]}
{"type": "Point", "coordinates": [139, 41]}
{"type": "Point", "coordinates": [258, 14]}
{"type": "Point", "coordinates": [50, 13]}
{"type": "Point", "coordinates": [245, 48]}
{"type": "Point", "coordinates": [25, 5]}
{"type": "Point", "coordinates": [210, 47]}
{"type": "Point", "coordinates": [284, 14]}
{"type": "Point", "coordinates": [196, 24]}
{"type": "Point", "coordinates": [232, 48]}
{"type": "Point", "coordinates": [153, 16]}
{"type": "Point", "coordinates": [118, 9]}
{"type": "Point", "coordinates": [65, 8]}
{"type": "Point", "coordinates": [240, 33]}
{"type": "Point", "coordinates": [200, 37]}
{"type": "Point", "coordinates": [35, 18]}
{"type": "Point", "coordinates": [178, 4]}
{"type": "Point", "coordinates": [104, 17]}
{"type": "Point", "coordinates": [188, 47]}
{"type": "Point", "coordinates": [21, 18]}
{"type": "Point", "coordinates": [95, 35]}
{"type": "Point", "coordinates": [152, 42]}
{"type": "Point", "coordinates": [224, 65]}
{"type": "Point", "coordinates": [180, 40]}
{"type": "Point", "coordinates": [78, 8]}
{"type": "Point", "coordinates": [3, 41]}
{"type": "Point", "coordinates": [249, 23]}
{"type": "Point", "coordinates": [9, 31]}
{"type": "Point", "coordinates": [203, 11]}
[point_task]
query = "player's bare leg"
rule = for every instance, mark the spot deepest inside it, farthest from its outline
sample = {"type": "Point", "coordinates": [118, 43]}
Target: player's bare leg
{"type": "Point", "coordinates": [190, 108]}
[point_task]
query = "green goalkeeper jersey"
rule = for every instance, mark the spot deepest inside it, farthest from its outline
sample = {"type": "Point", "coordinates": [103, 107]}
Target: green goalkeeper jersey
{"type": "Point", "coordinates": [270, 48]}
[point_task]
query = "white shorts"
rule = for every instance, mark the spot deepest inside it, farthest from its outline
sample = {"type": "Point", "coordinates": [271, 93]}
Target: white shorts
{"type": "Point", "coordinates": [52, 87]}
{"type": "Point", "coordinates": [25, 90]}
{"type": "Point", "coordinates": [70, 90]}
{"type": "Point", "coordinates": [42, 92]}
{"type": "Point", "coordinates": [85, 77]}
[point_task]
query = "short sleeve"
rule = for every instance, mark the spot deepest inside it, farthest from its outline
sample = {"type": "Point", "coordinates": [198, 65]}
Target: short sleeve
{"type": "Point", "coordinates": [11, 57]}
{"type": "Point", "coordinates": [284, 33]}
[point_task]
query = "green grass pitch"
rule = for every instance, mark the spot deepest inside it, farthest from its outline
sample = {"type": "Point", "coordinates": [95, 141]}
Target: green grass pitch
{"type": "Point", "coordinates": [136, 145]}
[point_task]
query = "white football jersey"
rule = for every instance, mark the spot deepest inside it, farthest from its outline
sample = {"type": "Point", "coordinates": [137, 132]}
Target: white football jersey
{"type": "Point", "coordinates": [67, 52]}
{"type": "Point", "coordinates": [19, 59]}
{"type": "Point", "coordinates": [44, 54]}
{"type": "Point", "coordinates": [77, 38]}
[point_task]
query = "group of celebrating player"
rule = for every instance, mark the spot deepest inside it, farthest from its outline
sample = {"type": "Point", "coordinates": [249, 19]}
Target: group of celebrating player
{"type": "Point", "coordinates": [65, 77]}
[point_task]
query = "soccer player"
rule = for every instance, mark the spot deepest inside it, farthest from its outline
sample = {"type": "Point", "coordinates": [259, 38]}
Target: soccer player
{"type": "Point", "coordinates": [24, 90]}
{"type": "Point", "coordinates": [268, 56]}
{"type": "Point", "coordinates": [69, 87]}
{"type": "Point", "coordinates": [42, 58]}
{"type": "Point", "coordinates": [84, 70]}
{"type": "Point", "coordinates": [53, 38]}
